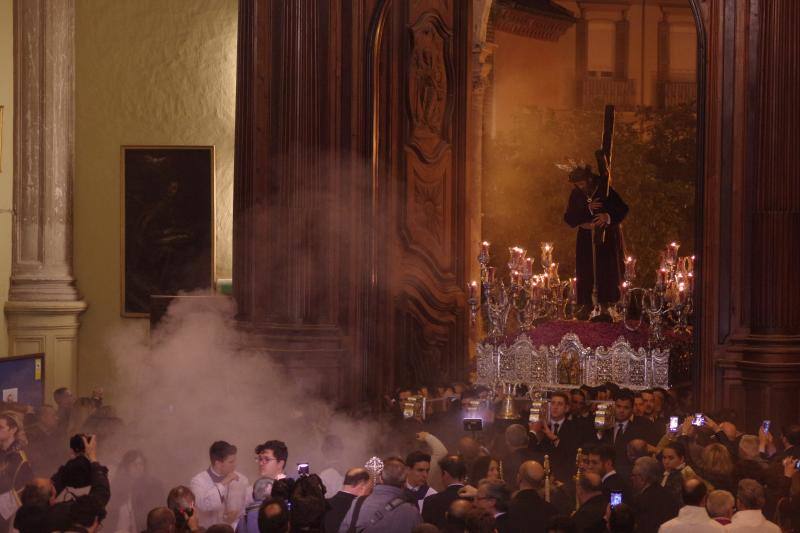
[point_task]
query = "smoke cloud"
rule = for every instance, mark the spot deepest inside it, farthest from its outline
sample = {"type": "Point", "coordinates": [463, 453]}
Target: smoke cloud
{"type": "Point", "coordinates": [193, 381]}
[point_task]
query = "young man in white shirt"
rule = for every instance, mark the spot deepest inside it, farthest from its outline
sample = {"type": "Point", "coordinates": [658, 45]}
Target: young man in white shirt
{"type": "Point", "coordinates": [220, 491]}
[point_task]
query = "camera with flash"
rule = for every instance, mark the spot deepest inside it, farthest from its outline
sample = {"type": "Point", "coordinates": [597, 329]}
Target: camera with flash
{"type": "Point", "coordinates": [604, 416]}
{"type": "Point", "coordinates": [538, 412]}
{"type": "Point", "coordinates": [414, 407]}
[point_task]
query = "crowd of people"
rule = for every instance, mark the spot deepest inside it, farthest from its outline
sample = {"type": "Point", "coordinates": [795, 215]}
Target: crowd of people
{"type": "Point", "coordinates": [562, 472]}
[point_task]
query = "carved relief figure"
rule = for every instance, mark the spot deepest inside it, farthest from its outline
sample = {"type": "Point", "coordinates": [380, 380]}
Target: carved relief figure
{"type": "Point", "coordinates": [427, 82]}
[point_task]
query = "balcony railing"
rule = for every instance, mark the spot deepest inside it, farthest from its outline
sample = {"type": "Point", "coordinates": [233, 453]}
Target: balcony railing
{"type": "Point", "coordinates": [678, 92]}
{"type": "Point", "coordinates": [597, 92]}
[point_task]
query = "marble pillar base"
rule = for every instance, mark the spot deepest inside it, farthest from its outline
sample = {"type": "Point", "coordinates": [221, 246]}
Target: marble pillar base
{"type": "Point", "coordinates": [48, 327]}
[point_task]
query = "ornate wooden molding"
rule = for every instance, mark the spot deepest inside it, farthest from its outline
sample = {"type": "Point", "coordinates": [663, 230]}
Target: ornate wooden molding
{"type": "Point", "coordinates": [545, 21]}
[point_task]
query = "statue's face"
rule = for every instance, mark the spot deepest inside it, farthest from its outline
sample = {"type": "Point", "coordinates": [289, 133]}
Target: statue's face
{"type": "Point", "coordinates": [585, 186]}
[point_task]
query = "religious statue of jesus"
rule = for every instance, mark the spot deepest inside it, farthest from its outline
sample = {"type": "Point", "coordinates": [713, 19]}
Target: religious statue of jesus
{"type": "Point", "coordinates": [588, 210]}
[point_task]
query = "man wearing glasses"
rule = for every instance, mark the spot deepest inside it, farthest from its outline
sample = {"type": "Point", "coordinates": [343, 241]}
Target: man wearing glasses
{"type": "Point", "coordinates": [271, 458]}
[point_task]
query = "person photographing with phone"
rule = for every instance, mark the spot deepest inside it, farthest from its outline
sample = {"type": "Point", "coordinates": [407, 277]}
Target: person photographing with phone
{"type": "Point", "coordinates": [79, 477]}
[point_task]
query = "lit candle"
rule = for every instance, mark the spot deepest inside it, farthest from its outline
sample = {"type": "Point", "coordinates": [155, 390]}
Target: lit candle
{"type": "Point", "coordinates": [690, 279]}
{"type": "Point", "coordinates": [673, 252]}
{"type": "Point", "coordinates": [473, 287]}
{"type": "Point", "coordinates": [528, 267]}
{"type": "Point", "coordinates": [623, 290]}
{"type": "Point", "coordinates": [484, 248]}
{"type": "Point", "coordinates": [681, 292]}
{"type": "Point", "coordinates": [547, 253]}
{"type": "Point", "coordinates": [630, 268]}
{"type": "Point", "coordinates": [662, 277]}
{"type": "Point", "coordinates": [573, 287]}
{"type": "Point", "coordinates": [490, 274]}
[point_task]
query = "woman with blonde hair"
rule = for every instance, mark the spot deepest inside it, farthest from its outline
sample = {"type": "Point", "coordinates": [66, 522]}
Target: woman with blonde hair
{"type": "Point", "coordinates": [717, 468]}
{"type": "Point", "coordinates": [15, 471]}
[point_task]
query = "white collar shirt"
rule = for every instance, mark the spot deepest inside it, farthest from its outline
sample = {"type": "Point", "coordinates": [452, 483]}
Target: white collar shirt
{"type": "Point", "coordinates": [752, 521]}
{"type": "Point", "coordinates": [691, 519]}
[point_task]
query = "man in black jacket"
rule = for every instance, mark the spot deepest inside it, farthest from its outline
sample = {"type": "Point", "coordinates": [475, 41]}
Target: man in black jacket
{"type": "Point", "coordinates": [356, 483]}
{"type": "Point", "coordinates": [652, 503]}
{"type": "Point", "coordinates": [493, 496]}
{"type": "Point", "coordinates": [560, 438]}
{"type": "Point", "coordinates": [528, 512]}
{"type": "Point", "coordinates": [600, 460]}
{"type": "Point", "coordinates": [79, 476]}
{"type": "Point", "coordinates": [590, 517]}
{"type": "Point", "coordinates": [435, 507]}
{"type": "Point", "coordinates": [626, 428]}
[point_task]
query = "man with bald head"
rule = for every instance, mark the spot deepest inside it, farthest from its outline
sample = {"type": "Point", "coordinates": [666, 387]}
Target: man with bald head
{"type": "Point", "coordinates": [591, 514]}
{"type": "Point", "coordinates": [693, 516]}
{"type": "Point", "coordinates": [160, 520]}
{"type": "Point", "coordinates": [357, 482]}
{"type": "Point", "coordinates": [456, 516]}
{"type": "Point", "coordinates": [528, 511]}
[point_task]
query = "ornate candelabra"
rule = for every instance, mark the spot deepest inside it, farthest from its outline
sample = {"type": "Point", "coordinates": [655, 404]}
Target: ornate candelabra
{"type": "Point", "coordinates": [530, 296]}
{"type": "Point", "coordinates": [670, 300]}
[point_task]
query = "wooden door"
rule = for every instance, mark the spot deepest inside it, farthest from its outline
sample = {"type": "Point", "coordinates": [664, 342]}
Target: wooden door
{"type": "Point", "coordinates": [419, 149]}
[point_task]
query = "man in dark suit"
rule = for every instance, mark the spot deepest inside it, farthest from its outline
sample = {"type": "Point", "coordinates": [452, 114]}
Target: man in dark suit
{"type": "Point", "coordinates": [493, 496]}
{"type": "Point", "coordinates": [356, 483]}
{"type": "Point", "coordinates": [434, 508]}
{"type": "Point", "coordinates": [519, 450]}
{"type": "Point", "coordinates": [560, 437]}
{"type": "Point", "coordinates": [626, 428]}
{"type": "Point", "coordinates": [528, 512]}
{"type": "Point", "coordinates": [600, 460]}
{"type": "Point", "coordinates": [656, 424]}
{"type": "Point", "coordinates": [590, 517]}
{"type": "Point", "coordinates": [652, 504]}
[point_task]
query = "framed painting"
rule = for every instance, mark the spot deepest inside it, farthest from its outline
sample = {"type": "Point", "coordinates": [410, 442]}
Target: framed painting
{"type": "Point", "coordinates": [167, 223]}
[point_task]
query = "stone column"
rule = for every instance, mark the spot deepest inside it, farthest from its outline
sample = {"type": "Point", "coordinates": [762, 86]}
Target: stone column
{"type": "Point", "coordinates": [43, 304]}
{"type": "Point", "coordinates": [481, 68]}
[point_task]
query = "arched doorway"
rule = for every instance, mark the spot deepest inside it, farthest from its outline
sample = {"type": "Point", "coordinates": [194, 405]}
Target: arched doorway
{"type": "Point", "coordinates": [423, 181]}
{"type": "Point", "coordinates": [541, 73]}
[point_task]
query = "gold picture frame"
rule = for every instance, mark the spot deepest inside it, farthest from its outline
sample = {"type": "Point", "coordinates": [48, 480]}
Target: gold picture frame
{"type": "Point", "coordinates": [167, 225]}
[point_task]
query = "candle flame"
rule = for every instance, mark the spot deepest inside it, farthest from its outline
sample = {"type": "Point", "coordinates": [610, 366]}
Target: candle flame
{"type": "Point", "coordinates": [474, 283]}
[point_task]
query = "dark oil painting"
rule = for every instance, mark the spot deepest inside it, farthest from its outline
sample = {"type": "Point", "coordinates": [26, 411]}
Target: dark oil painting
{"type": "Point", "coordinates": [168, 223]}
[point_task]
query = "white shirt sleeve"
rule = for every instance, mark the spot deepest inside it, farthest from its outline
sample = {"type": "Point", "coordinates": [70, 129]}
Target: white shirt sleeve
{"type": "Point", "coordinates": [208, 495]}
{"type": "Point", "coordinates": [438, 452]}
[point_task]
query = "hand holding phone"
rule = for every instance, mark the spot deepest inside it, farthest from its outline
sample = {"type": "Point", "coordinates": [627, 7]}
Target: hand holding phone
{"type": "Point", "coordinates": [616, 499]}
{"type": "Point", "coordinates": [699, 419]}
{"type": "Point", "coordinates": [473, 424]}
{"type": "Point", "coordinates": [765, 425]}
{"type": "Point", "coordinates": [673, 424]}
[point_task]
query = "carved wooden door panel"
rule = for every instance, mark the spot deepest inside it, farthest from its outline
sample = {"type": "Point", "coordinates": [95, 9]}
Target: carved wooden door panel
{"type": "Point", "coordinates": [421, 124]}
